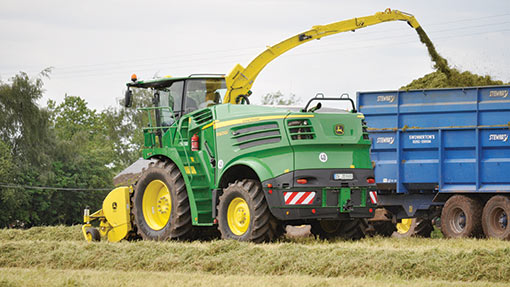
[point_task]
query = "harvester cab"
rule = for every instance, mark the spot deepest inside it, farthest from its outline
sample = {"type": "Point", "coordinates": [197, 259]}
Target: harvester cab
{"type": "Point", "coordinates": [181, 95]}
{"type": "Point", "coordinates": [245, 169]}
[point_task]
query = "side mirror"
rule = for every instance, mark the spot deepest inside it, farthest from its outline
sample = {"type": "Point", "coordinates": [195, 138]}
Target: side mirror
{"type": "Point", "coordinates": [128, 98]}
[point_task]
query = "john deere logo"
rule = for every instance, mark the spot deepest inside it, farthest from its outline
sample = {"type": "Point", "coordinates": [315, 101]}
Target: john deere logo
{"type": "Point", "coordinates": [339, 129]}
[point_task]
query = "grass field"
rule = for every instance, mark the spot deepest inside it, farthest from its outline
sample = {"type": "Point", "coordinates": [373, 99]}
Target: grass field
{"type": "Point", "coordinates": [58, 256]}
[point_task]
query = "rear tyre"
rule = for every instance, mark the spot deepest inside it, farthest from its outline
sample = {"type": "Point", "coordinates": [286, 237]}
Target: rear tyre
{"type": "Point", "coordinates": [383, 228]}
{"type": "Point", "coordinates": [93, 234]}
{"type": "Point", "coordinates": [244, 215]}
{"type": "Point", "coordinates": [495, 217]}
{"type": "Point", "coordinates": [461, 217]}
{"type": "Point", "coordinates": [326, 229]}
{"type": "Point", "coordinates": [414, 227]}
{"type": "Point", "coordinates": [347, 229]}
{"type": "Point", "coordinates": [160, 203]}
{"type": "Point", "coordinates": [354, 229]}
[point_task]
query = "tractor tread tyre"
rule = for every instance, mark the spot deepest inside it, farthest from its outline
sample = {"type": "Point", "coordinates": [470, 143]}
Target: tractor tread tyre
{"type": "Point", "coordinates": [179, 224]}
{"type": "Point", "coordinates": [472, 210]}
{"type": "Point", "coordinates": [319, 231]}
{"type": "Point", "coordinates": [354, 229]}
{"type": "Point", "coordinates": [383, 228]}
{"type": "Point", "coordinates": [424, 228]}
{"type": "Point", "coordinates": [346, 229]}
{"type": "Point", "coordinates": [263, 226]}
{"type": "Point", "coordinates": [494, 208]}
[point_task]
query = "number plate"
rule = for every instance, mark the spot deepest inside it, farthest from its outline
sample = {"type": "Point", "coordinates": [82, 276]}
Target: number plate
{"type": "Point", "coordinates": [343, 176]}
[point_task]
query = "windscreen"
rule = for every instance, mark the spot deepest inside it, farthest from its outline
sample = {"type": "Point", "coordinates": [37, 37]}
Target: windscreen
{"type": "Point", "coordinates": [201, 93]}
{"type": "Point", "coordinates": [169, 97]}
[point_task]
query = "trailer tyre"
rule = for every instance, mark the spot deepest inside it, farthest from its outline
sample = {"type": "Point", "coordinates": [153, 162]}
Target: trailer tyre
{"type": "Point", "coordinates": [495, 217]}
{"type": "Point", "coordinates": [160, 203]}
{"type": "Point", "coordinates": [244, 215]}
{"type": "Point", "coordinates": [461, 217]}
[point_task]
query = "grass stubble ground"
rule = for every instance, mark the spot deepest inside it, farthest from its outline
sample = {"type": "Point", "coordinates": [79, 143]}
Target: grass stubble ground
{"type": "Point", "coordinates": [59, 256]}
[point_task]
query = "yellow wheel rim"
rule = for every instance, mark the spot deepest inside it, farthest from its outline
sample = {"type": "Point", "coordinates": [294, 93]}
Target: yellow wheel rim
{"type": "Point", "coordinates": [404, 226]}
{"type": "Point", "coordinates": [238, 216]}
{"type": "Point", "coordinates": [89, 237]}
{"type": "Point", "coordinates": [156, 204]}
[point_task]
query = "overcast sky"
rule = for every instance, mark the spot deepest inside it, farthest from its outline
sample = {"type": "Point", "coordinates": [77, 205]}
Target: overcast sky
{"type": "Point", "coordinates": [95, 46]}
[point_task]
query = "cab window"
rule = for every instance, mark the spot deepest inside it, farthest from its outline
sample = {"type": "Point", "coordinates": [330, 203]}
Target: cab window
{"type": "Point", "coordinates": [201, 93]}
{"type": "Point", "coordinates": [170, 97]}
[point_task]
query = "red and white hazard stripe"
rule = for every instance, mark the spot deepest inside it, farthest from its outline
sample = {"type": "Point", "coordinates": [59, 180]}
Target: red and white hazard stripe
{"type": "Point", "coordinates": [373, 197]}
{"type": "Point", "coordinates": [301, 197]}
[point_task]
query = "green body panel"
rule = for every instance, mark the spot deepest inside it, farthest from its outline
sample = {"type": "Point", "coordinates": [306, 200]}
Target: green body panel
{"type": "Point", "coordinates": [284, 152]}
{"type": "Point", "coordinates": [270, 141]}
{"type": "Point", "coordinates": [347, 150]}
{"type": "Point", "coordinates": [198, 174]}
{"type": "Point", "coordinates": [267, 160]}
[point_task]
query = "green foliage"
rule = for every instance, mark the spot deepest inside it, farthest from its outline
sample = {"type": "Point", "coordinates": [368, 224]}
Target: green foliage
{"type": "Point", "coordinates": [23, 124]}
{"type": "Point", "coordinates": [64, 145]}
{"type": "Point", "coordinates": [123, 126]}
{"type": "Point", "coordinates": [278, 98]}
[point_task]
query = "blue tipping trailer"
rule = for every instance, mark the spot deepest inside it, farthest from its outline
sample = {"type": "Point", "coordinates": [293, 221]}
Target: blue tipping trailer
{"type": "Point", "coordinates": [443, 150]}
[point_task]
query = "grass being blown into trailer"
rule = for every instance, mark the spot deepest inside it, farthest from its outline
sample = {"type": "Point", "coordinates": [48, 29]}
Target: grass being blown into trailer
{"type": "Point", "coordinates": [445, 76]}
{"type": "Point", "coordinates": [58, 256]}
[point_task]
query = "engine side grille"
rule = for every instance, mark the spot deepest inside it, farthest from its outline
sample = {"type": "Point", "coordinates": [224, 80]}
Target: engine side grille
{"type": "Point", "coordinates": [256, 135]}
{"type": "Point", "coordinates": [364, 129]}
{"type": "Point", "coordinates": [203, 116]}
{"type": "Point", "coordinates": [300, 129]}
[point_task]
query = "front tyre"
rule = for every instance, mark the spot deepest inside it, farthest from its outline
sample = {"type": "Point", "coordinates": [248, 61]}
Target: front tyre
{"type": "Point", "coordinates": [160, 203]}
{"type": "Point", "coordinates": [243, 213]}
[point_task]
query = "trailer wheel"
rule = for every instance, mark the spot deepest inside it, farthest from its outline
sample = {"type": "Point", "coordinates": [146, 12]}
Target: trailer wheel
{"type": "Point", "coordinates": [461, 217]}
{"type": "Point", "coordinates": [347, 229]}
{"type": "Point", "coordinates": [160, 203]}
{"type": "Point", "coordinates": [93, 234]}
{"type": "Point", "coordinates": [495, 217]}
{"type": "Point", "coordinates": [244, 215]}
{"type": "Point", "coordinates": [414, 227]}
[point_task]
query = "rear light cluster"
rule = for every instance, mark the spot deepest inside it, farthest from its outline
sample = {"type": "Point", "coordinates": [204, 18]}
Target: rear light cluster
{"type": "Point", "coordinates": [370, 180]}
{"type": "Point", "coordinates": [302, 181]}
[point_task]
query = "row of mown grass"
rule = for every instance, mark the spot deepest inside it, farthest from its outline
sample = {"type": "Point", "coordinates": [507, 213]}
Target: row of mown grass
{"type": "Point", "coordinates": [51, 277]}
{"type": "Point", "coordinates": [412, 258]}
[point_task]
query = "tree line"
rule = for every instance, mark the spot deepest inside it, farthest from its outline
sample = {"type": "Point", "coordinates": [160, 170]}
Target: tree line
{"type": "Point", "coordinates": [47, 152]}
